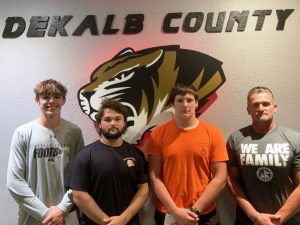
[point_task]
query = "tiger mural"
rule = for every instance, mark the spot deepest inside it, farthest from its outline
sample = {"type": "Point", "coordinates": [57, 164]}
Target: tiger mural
{"type": "Point", "coordinates": [142, 81]}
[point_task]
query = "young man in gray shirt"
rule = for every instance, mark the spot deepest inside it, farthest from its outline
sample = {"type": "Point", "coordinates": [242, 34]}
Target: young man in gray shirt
{"type": "Point", "coordinates": [40, 155]}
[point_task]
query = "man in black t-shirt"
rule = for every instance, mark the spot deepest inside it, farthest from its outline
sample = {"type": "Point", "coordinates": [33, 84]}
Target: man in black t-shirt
{"type": "Point", "coordinates": [109, 177]}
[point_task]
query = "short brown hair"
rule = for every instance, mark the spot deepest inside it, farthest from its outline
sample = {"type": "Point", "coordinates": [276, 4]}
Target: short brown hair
{"type": "Point", "coordinates": [50, 87]}
{"type": "Point", "coordinates": [259, 89]}
{"type": "Point", "coordinates": [183, 89]}
{"type": "Point", "coordinates": [115, 105]}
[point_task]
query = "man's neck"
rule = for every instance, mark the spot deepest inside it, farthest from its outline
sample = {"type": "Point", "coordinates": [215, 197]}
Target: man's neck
{"type": "Point", "coordinates": [263, 128]}
{"type": "Point", "coordinates": [50, 122]}
{"type": "Point", "coordinates": [112, 142]}
{"type": "Point", "coordinates": [187, 124]}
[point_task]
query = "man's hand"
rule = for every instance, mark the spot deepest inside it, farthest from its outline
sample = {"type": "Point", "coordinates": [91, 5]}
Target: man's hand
{"type": "Point", "coordinates": [267, 219]}
{"type": "Point", "coordinates": [55, 216]}
{"type": "Point", "coordinates": [185, 217]}
{"type": "Point", "coordinates": [116, 220]}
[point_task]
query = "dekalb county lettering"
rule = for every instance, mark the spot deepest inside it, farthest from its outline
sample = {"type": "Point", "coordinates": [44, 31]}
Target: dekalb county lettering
{"type": "Point", "coordinates": [134, 23]}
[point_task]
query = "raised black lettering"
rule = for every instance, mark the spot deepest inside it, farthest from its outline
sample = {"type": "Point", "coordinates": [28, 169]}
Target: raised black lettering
{"type": "Point", "coordinates": [90, 23]}
{"type": "Point", "coordinates": [134, 24]}
{"type": "Point", "coordinates": [108, 25]}
{"type": "Point", "coordinates": [198, 17]}
{"type": "Point", "coordinates": [58, 24]}
{"type": "Point", "coordinates": [220, 22]}
{"type": "Point", "coordinates": [239, 17]}
{"type": "Point", "coordinates": [282, 15]}
{"type": "Point", "coordinates": [167, 28]}
{"type": "Point", "coordinates": [37, 27]}
{"type": "Point", "coordinates": [261, 15]}
{"type": "Point", "coordinates": [11, 22]}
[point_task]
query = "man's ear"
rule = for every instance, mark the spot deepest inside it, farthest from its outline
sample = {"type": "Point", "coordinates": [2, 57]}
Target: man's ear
{"type": "Point", "coordinates": [275, 107]}
{"type": "Point", "coordinates": [37, 100]}
{"type": "Point", "coordinates": [248, 111]}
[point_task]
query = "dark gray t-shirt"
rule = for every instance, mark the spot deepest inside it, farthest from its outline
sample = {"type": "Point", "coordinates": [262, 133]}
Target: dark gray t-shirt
{"type": "Point", "coordinates": [266, 164]}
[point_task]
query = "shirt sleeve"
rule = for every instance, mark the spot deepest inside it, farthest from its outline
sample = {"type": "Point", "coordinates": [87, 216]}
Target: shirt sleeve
{"type": "Point", "coordinates": [296, 161]}
{"type": "Point", "coordinates": [78, 178]}
{"type": "Point", "coordinates": [153, 146]}
{"type": "Point", "coordinates": [219, 148]}
{"type": "Point", "coordinates": [142, 169]}
{"type": "Point", "coordinates": [231, 152]}
{"type": "Point", "coordinates": [66, 203]}
{"type": "Point", "coordinates": [16, 182]}
{"type": "Point", "coordinates": [79, 141]}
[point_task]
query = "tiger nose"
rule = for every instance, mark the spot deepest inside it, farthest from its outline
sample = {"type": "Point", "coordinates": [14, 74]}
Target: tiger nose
{"type": "Point", "coordinates": [88, 95]}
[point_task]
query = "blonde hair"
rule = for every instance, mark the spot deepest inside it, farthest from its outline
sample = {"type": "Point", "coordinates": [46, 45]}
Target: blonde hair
{"type": "Point", "coordinates": [259, 89]}
{"type": "Point", "coordinates": [50, 87]}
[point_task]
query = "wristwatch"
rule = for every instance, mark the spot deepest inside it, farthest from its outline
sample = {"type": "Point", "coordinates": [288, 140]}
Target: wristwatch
{"type": "Point", "coordinates": [196, 211]}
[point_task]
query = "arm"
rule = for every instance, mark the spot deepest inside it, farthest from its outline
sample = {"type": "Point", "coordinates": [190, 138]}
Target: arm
{"type": "Point", "coordinates": [292, 205]}
{"type": "Point", "coordinates": [214, 187]}
{"type": "Point", "coordinates": [181, 215]}
{"type": "Point", "coordinates": [239, 195]}
{"type": "Point", "coordinates": [136, 204]}
{"type": "Point", "coordinates": [16, 181]}
{"type": "Point", "coordinates": [57, 213]}
{"type": "Point", "coordinates": [54, 216]}
{"type": "Point", "coordinates": [66, 202]}
{"type": "Point", "coordinates": [89, 207]}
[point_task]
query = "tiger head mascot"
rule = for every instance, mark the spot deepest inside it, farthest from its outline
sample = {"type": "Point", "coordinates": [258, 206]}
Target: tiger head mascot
{"type": "Point", "coordinates": [142, 81]}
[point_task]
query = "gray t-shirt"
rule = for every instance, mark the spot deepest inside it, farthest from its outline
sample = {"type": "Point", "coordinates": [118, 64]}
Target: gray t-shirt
{"type": "Point", "coordinates": [266, 164]}
{"type": "Point", "coordinates": [38, 164]}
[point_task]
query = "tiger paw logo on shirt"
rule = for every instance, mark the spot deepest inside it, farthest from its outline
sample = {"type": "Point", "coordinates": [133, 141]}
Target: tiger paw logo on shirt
{"type": "Point", "coordinates": [130, 162]}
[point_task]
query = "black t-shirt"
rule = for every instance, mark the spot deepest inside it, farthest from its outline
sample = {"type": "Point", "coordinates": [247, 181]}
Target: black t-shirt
{"type": "Point", "coordinates": [110, 175]}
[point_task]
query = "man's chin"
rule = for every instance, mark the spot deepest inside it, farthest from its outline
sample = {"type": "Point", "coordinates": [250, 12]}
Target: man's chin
{"type": "Point", "coordinates": [51, 113]}
{"type": "Point", "coordinates": [264, 121]}
{"type": "Point", "coordinates": [112, 135]}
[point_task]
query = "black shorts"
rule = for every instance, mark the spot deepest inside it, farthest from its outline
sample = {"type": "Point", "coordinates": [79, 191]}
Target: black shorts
{"type": "Point", "coordinates": [205, 219]}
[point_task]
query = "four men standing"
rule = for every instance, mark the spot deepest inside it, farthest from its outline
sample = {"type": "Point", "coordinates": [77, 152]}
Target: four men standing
{"type": "Point", "coordinates": [187, 166]}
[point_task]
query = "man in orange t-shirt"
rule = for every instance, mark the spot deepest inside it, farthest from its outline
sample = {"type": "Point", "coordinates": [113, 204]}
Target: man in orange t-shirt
{"type": "Point", "coordinates": [187, 163]}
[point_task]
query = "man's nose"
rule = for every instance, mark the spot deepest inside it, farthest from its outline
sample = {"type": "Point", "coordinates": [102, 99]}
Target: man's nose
{"type": "Point", "coordinates": [51, 99]}
{"type": "Point", "coordinates": [261, 107]}
{"type": "Point", "coordinates": [112, 122]}
{"type": "Point", "coordinates": [185, 102]}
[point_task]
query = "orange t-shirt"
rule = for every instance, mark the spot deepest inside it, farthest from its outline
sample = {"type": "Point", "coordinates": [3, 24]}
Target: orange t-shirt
{"type": "Point", "coordinates": [186, 157]}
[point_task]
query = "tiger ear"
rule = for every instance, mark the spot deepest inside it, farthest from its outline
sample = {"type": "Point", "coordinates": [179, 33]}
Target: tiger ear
{"type": "Point", "coordinates": [124, 52]}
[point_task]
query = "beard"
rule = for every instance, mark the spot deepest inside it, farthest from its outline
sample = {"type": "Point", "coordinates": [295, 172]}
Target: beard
{"type": "Point", "coordinates": [109, 134]}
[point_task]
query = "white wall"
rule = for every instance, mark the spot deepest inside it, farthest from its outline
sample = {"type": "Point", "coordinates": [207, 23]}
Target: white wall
{"type": "Point", "coordinates": [267, 57]}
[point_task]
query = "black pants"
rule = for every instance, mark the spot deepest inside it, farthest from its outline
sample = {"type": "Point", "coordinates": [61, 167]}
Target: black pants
{"type": "Point", "coordinates": [205, 219]}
